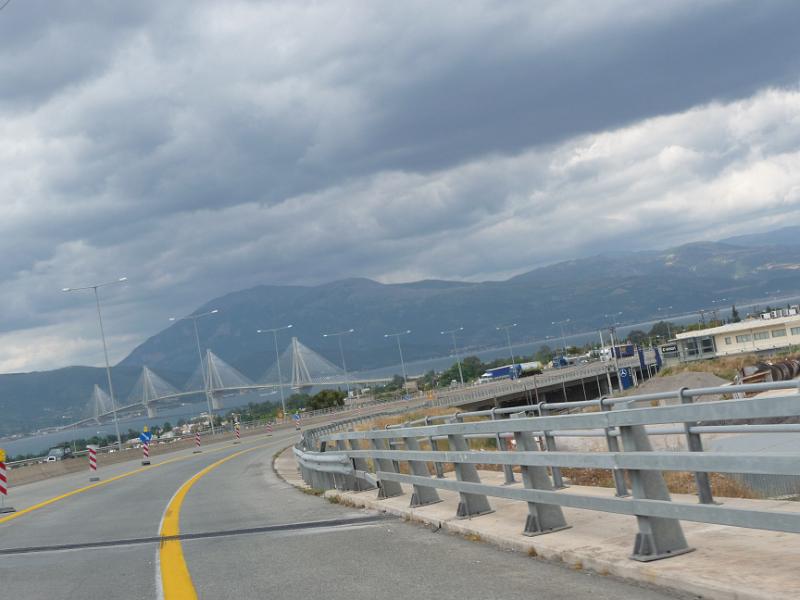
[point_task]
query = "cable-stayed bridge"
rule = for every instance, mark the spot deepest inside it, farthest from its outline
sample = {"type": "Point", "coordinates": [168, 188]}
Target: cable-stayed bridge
{"type": "Point", "coordinates": [298, 367]}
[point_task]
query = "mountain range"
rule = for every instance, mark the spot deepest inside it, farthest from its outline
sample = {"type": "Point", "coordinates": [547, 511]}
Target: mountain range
{"type": "Point", "coordinates": [635, 283]}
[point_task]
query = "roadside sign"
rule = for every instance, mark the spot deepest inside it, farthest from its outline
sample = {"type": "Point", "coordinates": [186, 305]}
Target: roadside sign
{"type": "Point", "coordinates": [145, 436]}
{"type": "Point", "coordinates": [296, 416]}
{"type": "Point", "coordinates": [2, 455]}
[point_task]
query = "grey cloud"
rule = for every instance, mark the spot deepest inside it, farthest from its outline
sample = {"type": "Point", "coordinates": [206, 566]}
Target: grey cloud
{"type": "Point", "coordinates": [203, 147]}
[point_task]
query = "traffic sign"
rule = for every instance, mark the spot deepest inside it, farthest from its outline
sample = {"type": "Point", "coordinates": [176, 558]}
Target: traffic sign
{"type": "Point", "coordinates": [2, 455]}
{"type": "Point", "coordinates": [296, 416]}
{"type": "Point", "coordinates": [146, 435]}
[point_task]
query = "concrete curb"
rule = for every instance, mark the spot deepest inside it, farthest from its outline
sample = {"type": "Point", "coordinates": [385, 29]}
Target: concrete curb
{"type": "Point", "coordinates": [288, 471]}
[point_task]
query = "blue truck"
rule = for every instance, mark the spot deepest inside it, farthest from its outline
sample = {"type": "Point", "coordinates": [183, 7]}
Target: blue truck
{"type": "Point", "coordinates": [622, 351]}
{"type": "Point", "coordinates": [514, 371]}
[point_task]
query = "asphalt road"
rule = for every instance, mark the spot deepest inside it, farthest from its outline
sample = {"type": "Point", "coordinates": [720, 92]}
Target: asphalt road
{"type": "Point", "coordinates": [245, 534]}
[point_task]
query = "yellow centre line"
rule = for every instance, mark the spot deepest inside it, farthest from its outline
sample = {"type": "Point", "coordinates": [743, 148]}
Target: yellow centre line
{"type": "Point", "coordinates": [176, 583]}
{"type": "Point", "coordinates": [30, 509]}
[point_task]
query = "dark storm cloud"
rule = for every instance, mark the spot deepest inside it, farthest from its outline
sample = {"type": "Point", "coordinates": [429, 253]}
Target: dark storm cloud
{"type": "Point", "coordinates": [203, 147]}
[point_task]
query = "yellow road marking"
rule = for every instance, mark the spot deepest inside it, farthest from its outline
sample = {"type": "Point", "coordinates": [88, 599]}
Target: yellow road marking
{"type": "Point", "coordinates": [30, 509]}
{"type": "Point", "coordinates": [176, 582]}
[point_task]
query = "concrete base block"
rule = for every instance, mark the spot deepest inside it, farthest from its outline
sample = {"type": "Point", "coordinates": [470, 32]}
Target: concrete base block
{"type": "Point", "coordinates": [533, 531]}
{"type": "Point", "coordinates": [7, 509]}
{"type": "Point", "coordinates": [645, 549]}
{"type": "Point", "coordinates": [416, 502]}
{"type": "Point", "coordinates": [196, 451]}
{"type": "Point", "coordinates": [145, 463]}
{"type": "Point", "coordinates": [462, 512]}
{"type": "Point", "coordinates": [94, 479]}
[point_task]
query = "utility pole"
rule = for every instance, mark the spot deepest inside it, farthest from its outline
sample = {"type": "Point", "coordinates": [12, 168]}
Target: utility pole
{"type": "Point", "coordinates": [274, 331]}
{"type": "Point", "coordinates": [105, 347]}
{"type": "Point", "coordinates": [508, 338]}
{"type": "Point", "coordinates": [396, 336]}
{"type": "Point", "coordinates": [563, 339]}
{"type": "Point", "coordinates": [339, 335]}
{"type": "Point", "coordinates": [614, 349]}
{"type": "Point", "coordinates": [452, 332]}
{"type": "Point", "coordinates": [206, 376]}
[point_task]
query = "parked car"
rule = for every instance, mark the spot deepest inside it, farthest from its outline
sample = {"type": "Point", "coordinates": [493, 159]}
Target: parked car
{"type": "Point", "coordinates": [58, 454]}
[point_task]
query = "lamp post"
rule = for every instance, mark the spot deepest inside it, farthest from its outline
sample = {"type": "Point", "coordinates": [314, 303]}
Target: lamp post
{"type": "Point", "coordinates": [452, 333]}
{"type": "Point", "coordinates": [339, 335]}
{"type": "Point", "coordinates": [206, 380]}
{"type": "Point", "coordinates": [563, 339]}
{"type": "Point", "coordinates": [400, 349]}
{"type": "Point", "coordinates": [669, 332]}
{"type": "Point", "coordinates": [274, 331]}
{"type": "Point", "coordinates": [508, 338]}
{"type": "Point", "coordinates": [716, 304]}
{"type": "Point", "coordinates": [105, 347]}
{"type": "Point", "coordinates": [613, 318]}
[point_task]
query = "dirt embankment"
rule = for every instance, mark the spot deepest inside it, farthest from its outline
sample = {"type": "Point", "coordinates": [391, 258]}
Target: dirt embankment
{"type": "Point", "coordinates": [684, 379]}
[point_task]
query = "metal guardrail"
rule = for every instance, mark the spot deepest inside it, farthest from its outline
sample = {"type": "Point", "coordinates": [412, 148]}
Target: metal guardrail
{"type": "Point", "coordinates": [330, 457]}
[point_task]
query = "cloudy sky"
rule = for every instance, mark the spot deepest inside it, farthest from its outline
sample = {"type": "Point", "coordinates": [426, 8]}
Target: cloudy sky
{"type": "Point", "coordinates": [202, 147]}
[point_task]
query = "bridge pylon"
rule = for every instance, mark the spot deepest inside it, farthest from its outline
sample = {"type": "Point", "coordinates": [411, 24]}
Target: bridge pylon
{"type": "Point", "coordinates": [149, 388]}
{"type": "Point", "coordinates": [99, 403]}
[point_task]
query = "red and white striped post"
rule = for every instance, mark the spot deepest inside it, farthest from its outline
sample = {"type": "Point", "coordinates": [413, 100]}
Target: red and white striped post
{"type": "Point", "coordinates": [237, 431]}
{"type": "Point", "coordinates": [4, 484]}
{"type": "Point", "coordinates": [269, 428]}
{"type": "Point", "coordinates": [93, 463]}
{"type": "Point", "coordinates": [197, 442]}
{"type": "Point", "coordinates": [146, 453]}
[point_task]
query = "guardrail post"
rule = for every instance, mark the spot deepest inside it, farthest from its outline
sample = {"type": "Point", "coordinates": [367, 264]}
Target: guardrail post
{"type": "Point", "coordinates": [542, 518]}
{"type": "Point", "coordinates": [550, 446]}
{"type": "Point", "coordinates": [360, 464]}
{"type": "Point", "coordinates": [392, 444]}
{"type": "Point", "coordinates": [422, 495]}
{"type": "Point", "coordinates": [470, 505]}
{"type": "Point", "coordinates": [613, 446]}
{"type": "Point", "coordinates": [508, 470]}
{"type": "Point", "coordinates": [658, 537]}
{"type": "Point", "coordinates": [386, 489]}
{"type": "Point", "coordinates": [435, 447]}
{"type": "Point", "coordinates": [348, 481]}
{"type": "Point", "coordinates": [695, 444]}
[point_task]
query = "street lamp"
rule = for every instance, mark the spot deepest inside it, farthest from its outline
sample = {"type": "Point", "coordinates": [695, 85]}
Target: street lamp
{"type": "Point", "coordinates": [563, 339]}
{"type": "Point", "coordinates": [206, 382]}
{"type": "Point", "coordinates": [339, 335]}
{"type": "Point", "coordinates": [669, 331]}
{"type": "Point", "coordinates": [508, 338]}
{"type": "Point", "coordinates": [274, 331]}
{"type": "Point", "coordinates": [105, 347]}
{"type": "Point", "coordinates": [452, 332]}
{"type": "Point", "coordinates": [613, 318]}
{"type": "Point", "coordinates": [400, 349]}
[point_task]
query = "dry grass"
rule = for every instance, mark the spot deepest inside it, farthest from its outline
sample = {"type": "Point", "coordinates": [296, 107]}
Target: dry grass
{"type": "Point", "coordinates": [677, 482]}
{"type": "Point", "coordinates": [382, 422]}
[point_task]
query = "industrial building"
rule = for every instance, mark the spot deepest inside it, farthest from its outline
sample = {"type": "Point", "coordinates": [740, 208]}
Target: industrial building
{"type": "Point", "coordinates": [772, 331]}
